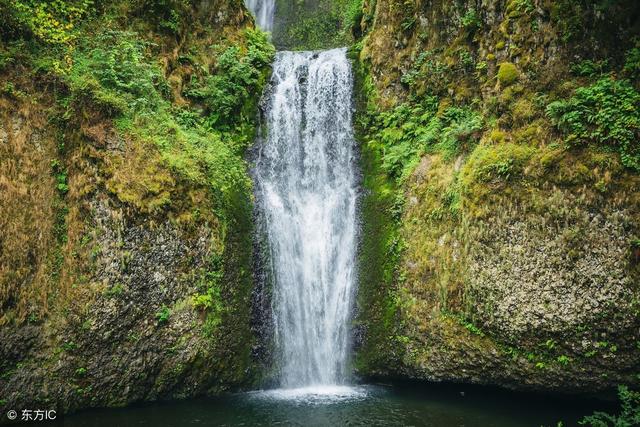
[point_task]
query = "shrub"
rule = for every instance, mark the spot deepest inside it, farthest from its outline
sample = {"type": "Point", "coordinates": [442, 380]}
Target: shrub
{"type": "Point", "coordinates": [428, 71]}
{"type": "Point", "coordinates": [567, 17]}
{"type": "Point", "coordinates": [165, 14]}
{"type": "Point", "coordinates": [589, 68]}
{"type": "Point", "coordinates": [507, 73]}
{"type": "Point", "coordinates": [522, 6]}
{"type": "Point", "coordinates": [202, 301]}
{"type": "Point", "coordinates": [408, 131]}
{"type": "Point", "coordinates": [607, 112]}
{"type": "Point", "coordinates": [51, 22]}
{"type": "Point", "coordinates": [629, 415]}
{"type": "Point", "coordinates": [162, 316]}
{"type": "Point", "coordinates": [237, 76]}
{"type": "Point", "coordinates": [470, 20]}
{"type": "Point", "coordinates": [632, 61]}
{"type": "Point", "coordinates": [460, 126]}
{"type": "Point", "coordinates": [401, 131]}
{"type": "Point", "coordinates": [114, 71]}
{"type": "Point", "coordinates": [352, 16]}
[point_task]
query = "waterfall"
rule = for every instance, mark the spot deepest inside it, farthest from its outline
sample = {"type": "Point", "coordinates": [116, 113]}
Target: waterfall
{"type": "Point", "coordinates": [263, 11]}
{"type": "Point", "coordinates": [306, 192]}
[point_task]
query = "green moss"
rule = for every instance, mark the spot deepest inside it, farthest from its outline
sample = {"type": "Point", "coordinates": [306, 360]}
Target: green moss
{"type": "Point", "coordinates": [523, 110]}
{"type": "Point", "coordinates": [229, 329]}
{"type": "Point", "coordinates": [497, 136]}
{"type": "Point", "coordinates": [379, 248]}
{"type": "Point", "coordinates": [490, 167]}
{"type": "Point", "coordinates": [141, 179]}
{"type": "Point", "coordinates": [531, 134]}
{"type": "Point", "coordinates": [507, 73]}
{"type": "Point", "coordinates": [606, 112]}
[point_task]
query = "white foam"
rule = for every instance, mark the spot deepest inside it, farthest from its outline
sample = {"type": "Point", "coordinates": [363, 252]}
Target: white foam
{"type": "Point", "coordinates": [318, 394]}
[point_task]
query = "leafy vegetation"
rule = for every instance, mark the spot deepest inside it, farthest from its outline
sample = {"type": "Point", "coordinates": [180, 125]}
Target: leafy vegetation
{"type": "Point", "coordinates": [114, 72]}
{"type": "Point", "coordinates": [628, 416]}
{"type": "Point", "coordinates": [165, 14]}
{"type": "Point", "coordinates": [229, 93]}
{"type": "Point", "coordinates": [607, 113]}
{"type": "Point", "coordinates": [209, 298]}
{"type": "Point", "coordinates": [61, 177]}
{"type": "Point", "coordinates": [632, 62]}
{"type": "Point", "coordinates": [589, 68]}
{"type": "Point", "coordinates": [162, 316]}
{"type": "Point", "coordinates": [408, 131]}
{"type": "Point", "coordinates": [52, 22]}
{"type": "Point", "coordinates": [475, 91]}
{"type": "Point", "coordinates": [470, 20]}
{"type": "Point", "coordinates": [176, 114]}
{"type": "Point", "coordinates": [114, 291]}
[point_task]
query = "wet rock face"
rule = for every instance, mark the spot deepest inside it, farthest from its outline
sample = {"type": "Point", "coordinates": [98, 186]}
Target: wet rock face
{"type": "Point", "coordinates": [121, 325]}
{"type": "Point", "coordinates": [109, 298]}
{"type": "Point", "coordinates": [137, 338]}
{"type": "Point", "coordinates": [536, 292]}
{"type": "Point", "coordinates": [531, 278]}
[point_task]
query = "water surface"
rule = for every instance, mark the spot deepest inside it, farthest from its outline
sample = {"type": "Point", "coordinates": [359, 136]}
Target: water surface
{"type": "Point", "coordinates": [441, 406]}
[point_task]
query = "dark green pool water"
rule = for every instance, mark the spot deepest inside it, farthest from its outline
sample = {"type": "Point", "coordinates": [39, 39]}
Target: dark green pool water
{"type": "Point", "coordinates": [441, 406]}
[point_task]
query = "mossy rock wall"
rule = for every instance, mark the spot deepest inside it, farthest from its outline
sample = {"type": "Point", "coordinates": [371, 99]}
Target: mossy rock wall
{"type": "Point", "coordinates": [516, 262]}
{"type": "Point", "coordinates": [131, 204]}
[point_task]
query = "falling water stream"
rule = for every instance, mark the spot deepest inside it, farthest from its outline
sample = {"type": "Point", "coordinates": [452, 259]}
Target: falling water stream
{"type": "Point", "coordinates": [263, 10]}
{"type": "Point", "coordinates": [307, 193]}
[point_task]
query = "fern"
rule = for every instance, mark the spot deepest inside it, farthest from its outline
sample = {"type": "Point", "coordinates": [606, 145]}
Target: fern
{"type": "Point", "coordinates": [607, 113]}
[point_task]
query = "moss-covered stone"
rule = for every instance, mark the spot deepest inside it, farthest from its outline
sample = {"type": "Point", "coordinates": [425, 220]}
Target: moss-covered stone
{"type": "Point", "coordinates": [507, 73]}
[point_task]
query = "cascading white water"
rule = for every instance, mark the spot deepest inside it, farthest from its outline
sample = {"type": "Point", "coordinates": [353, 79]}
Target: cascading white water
{"type": "Point", "coordinates": [263, 11]}
{"type": "Point", "coordinates": [306, 188]}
